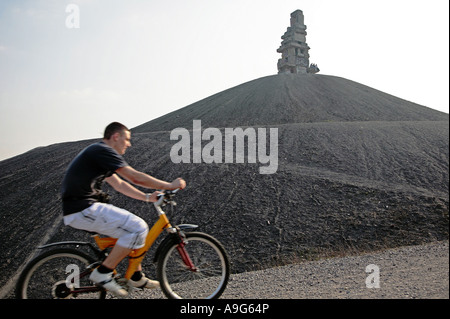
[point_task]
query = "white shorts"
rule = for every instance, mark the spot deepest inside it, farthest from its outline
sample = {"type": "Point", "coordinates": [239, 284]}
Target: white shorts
{"type": "Point", "coordinates": [106, 219]}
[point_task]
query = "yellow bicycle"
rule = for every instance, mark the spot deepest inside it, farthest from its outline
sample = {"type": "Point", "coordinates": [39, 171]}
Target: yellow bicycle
{"type": "Point", "coordinates": [190, 265]}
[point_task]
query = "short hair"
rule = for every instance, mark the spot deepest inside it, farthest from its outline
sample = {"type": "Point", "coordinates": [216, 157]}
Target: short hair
{"type": "Point", "coordinates": [113, 128]}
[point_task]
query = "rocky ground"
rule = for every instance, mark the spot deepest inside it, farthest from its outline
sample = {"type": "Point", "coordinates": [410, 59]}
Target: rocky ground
{"type": "Point", "coordinates": [413, 272]}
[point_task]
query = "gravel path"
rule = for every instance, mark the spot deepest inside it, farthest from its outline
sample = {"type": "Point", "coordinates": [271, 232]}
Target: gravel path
{"type": "Point", "coordinates": [408, 272]}
{"type": "Point", "coordinates": [405, 273]}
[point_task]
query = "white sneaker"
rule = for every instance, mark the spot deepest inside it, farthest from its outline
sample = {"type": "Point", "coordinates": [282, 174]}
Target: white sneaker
{"type": "Point", "coordinates": [107, 281]}
{"type": "Point", "coordinates": [144, 282]}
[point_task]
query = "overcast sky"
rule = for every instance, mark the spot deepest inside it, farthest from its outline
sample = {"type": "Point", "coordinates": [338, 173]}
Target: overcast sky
{"type": "Point", "coordinates": [133, 61]}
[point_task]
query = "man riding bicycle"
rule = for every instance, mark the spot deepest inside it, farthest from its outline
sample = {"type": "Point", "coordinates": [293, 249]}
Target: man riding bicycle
{"type": "Point", "coordinates": [85, 205]}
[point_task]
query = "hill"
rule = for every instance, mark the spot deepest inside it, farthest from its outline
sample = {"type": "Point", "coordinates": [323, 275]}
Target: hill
{"type": "Point", "coordinates": [358, 170]}
{"type": "Point", "coordinates": [293, 98]}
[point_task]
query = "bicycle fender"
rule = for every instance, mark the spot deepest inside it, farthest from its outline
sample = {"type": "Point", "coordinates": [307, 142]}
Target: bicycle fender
{"type": "Point", "coordinates": [187, 227]}
{"type": "Point", "coordinates": [99, 254]}
{"type": "Point", "coordinates": [171, 239]}
{"type": "Point", "coordinates": [61, 243]}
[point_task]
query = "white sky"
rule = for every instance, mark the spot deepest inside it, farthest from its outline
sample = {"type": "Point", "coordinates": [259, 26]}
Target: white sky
{"type": "Point", "coordinates": [133, 61]}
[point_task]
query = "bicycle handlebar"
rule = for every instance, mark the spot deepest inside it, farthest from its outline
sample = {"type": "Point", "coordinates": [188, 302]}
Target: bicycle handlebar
{"type": "Point", "coordinates": [165, 197]}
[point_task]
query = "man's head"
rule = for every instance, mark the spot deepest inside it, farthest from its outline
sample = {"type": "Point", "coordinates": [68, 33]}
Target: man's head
{"type": "Point", "coordinates": [117, 136]}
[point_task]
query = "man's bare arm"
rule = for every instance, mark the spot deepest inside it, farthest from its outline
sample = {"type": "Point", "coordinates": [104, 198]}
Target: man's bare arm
{"type": "Point", "coordinates": [145, 180]}
{"type": "Point", "coordinates": [129, 190]}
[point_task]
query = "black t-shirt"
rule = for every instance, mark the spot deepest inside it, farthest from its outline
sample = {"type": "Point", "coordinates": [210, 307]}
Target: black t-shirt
{"type": "Point", "coordinates": [85, 174]}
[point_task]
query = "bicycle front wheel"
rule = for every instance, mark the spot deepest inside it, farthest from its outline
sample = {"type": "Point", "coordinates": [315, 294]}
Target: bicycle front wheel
{"type": "Point", "coordinates": [47, 276]}
{"type": "Point", "coordinates": [209, 278]}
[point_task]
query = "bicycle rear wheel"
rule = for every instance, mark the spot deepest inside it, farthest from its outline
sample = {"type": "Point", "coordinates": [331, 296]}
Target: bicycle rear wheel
{"type": "Point", "coordinates": [45, 276]}
{"type": "Point", "coordinates": [211, 274]}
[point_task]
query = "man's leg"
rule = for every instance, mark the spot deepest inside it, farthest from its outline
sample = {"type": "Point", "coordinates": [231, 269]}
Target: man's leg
{"type": "Point", "coordinates": [138, 279]}
{"type": "Point", "coordinates": [131, 232]}
{"type": "Point", "coordinates": [115, 256]}
{"type": "Point", "coordinates": [115, 222]}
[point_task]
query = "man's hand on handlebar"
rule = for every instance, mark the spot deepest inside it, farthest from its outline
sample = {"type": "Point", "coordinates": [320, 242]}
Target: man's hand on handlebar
{"type": "Point", "coordinates": [156, 196]}
{"type": "Point", "coordinates": [153, 197]}
{"type": "Point", "coordinates": [178, 183]}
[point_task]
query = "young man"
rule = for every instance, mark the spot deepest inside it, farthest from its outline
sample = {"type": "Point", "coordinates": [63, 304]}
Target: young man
{"type": "Point", "coordinates": [85, 207]}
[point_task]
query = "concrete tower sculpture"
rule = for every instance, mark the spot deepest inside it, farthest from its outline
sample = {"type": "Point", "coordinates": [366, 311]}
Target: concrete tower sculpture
{"type": "Point", "coordinates": [294, 49]}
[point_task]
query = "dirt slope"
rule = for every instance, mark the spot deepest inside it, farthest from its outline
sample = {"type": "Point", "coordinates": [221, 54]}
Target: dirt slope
{"type": "Point", "coordinates": [358, 170]}
{"type": "Point", "coordinates": [288, 98]}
